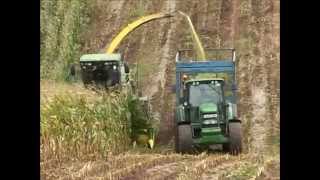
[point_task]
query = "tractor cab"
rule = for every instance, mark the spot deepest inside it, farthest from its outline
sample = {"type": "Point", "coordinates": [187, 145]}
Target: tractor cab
{"type": "Point", "coordinates": [104, 70]}
{"type": "Point", "coordinates": [204, 96]}
{"type": "Point", "coordinates": [204, 91]}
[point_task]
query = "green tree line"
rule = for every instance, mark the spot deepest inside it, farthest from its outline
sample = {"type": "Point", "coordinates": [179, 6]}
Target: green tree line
{"type": "Point", "coordinates": [62, 23]}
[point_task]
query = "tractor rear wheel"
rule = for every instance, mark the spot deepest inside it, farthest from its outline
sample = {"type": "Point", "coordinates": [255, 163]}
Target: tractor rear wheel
{"type": "Point", "coordinates": [235, 136]}
{"type": "Point", "coordinates": [184, 138]}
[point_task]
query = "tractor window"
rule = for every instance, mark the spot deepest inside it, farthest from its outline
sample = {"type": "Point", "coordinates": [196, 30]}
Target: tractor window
{"type": "Point", "coordinates": [203, 93]}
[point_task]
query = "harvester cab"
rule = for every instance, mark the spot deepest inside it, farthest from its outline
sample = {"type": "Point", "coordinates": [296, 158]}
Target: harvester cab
{"type": "Point", "coordinates": [206, 103]}
{"type": "Point", "coordinates": [103, 70]}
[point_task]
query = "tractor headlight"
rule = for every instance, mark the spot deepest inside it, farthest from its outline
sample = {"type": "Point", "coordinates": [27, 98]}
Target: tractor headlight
{"type": "Point", "coordinates": [89, 64]}
{"type": "Point", "coordinates": [210, 115]}
{"type": "Point", "coordinates": [211, 121]}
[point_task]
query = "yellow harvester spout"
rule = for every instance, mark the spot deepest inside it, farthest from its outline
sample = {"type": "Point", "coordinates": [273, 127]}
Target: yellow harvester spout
{"type": "Point", "coordinates": [130, 27]}
{"type": "Point", "coordinates": [200, 50]}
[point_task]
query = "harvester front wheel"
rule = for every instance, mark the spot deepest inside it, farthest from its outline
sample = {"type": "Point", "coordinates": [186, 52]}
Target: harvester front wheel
{"type": "Point", "coordinates": [86, 78]}
{"type": "Point", "coordinates": [235, 136]}
{"type": "Point", "coordinates": [184, 139]}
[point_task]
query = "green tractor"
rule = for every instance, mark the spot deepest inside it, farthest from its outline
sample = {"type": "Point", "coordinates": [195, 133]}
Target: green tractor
{"type": "Point", "coordinates": [206, 105]}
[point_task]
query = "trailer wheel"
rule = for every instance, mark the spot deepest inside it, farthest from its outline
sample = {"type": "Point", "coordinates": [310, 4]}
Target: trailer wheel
{"type": "Point", "coordinates": [235, 136]}
{"type": "Point", "coordinates": [184, 139]}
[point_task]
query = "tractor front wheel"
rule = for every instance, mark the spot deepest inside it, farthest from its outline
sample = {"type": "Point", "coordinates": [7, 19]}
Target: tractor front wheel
{"type": "Point", "coordinates": [225, 147]}
{"type": "Point", "coordinates": [235, 136]}
{"type": "Point", "coordinates": [184, 138]}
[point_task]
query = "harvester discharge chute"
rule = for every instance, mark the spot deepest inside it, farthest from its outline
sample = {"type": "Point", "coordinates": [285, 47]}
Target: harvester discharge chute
{"type": "Point", "coordinates": [130, 27]}
{"type": "Point", "coordinates": [199, 48]}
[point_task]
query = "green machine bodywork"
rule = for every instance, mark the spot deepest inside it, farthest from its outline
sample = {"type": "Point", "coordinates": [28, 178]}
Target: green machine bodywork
{"type": "Point", "coordinates": [109, 70]}
{"type": "Point", "coordinates": [206, 107]}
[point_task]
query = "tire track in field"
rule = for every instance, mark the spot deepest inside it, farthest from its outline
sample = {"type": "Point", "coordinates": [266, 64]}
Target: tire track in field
{"type": "Point", "coordinates": [167, 168]}
{"type": "Point", "coordinates": [195, 169]}
{"type": "Point", "coordinates": [218, 171]}
{"type": "Point", "coordinates": [138, 171]}
{"type": "Point", "coordinates": [101, 167]}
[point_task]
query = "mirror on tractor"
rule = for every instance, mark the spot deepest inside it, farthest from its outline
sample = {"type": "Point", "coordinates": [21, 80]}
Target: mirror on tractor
{"type": "Point", "coordinates": [181, 99]}
{"type": "Point", "coordinates": [72, 69]}
{"type": "Point", "coordinates": [73, 72]}
{"type": "Point", "coordinates": [234, 87]}
{"type": "Point", "coordinates": [173, 88]}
